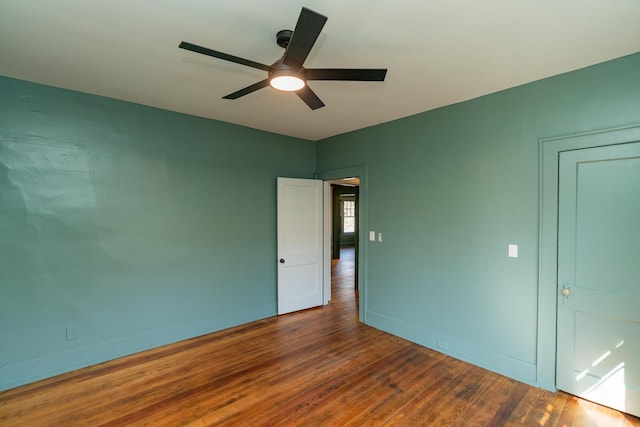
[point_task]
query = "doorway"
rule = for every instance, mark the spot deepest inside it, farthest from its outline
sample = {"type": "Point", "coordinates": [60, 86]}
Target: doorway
{"type": "Point", "coordinates": [355, 177]}
{"type": "Point", "coordinates": [345, 229]}
{"type": "Point", "coordinates": [598, 245]}
{"type": "Point", "coordinates": [558, 293]}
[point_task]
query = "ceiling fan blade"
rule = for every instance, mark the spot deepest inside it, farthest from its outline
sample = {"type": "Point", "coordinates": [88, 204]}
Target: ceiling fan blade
{"type": "Point", "coordinates": [310, 98]}
{"type": "Point", "coordinates": [247, 90]}
{"type": "Point", "coordinates": [304, 36]}
{"type": "Point", "coordinates": [357, 74]}
{"type": "Point", "coordinates": [221, 55]}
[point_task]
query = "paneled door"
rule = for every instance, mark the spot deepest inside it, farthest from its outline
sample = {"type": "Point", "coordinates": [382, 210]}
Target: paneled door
{"type": "Point", "coordinates": [300, 244]}
{"type": "Point", "coordinates": [598, 336]}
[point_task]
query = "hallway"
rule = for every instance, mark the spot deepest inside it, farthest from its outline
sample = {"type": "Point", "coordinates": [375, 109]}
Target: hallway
{"type": "Point", "coordinates": [343, 277]}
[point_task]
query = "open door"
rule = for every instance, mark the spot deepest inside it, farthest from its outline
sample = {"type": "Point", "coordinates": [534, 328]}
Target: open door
{"type": "Point", "coordinates": [598, 333]}
{"type": "Point", "coordinates": [300, 244]}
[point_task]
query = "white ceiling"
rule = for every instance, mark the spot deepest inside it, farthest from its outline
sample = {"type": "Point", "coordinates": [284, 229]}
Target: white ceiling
{"type": "Point", "coordinates": [438, 52]}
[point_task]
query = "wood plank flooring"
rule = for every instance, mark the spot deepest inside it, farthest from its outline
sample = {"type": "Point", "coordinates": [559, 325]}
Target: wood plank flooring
{"type": "Point", "coordinates": [319, 367]}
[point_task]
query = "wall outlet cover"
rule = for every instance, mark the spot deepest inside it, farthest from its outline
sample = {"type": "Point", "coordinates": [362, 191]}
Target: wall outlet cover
{"type": "Point", "coordinates": [443, 344]}
{"type": "Point", "coordinates": [72, 333]}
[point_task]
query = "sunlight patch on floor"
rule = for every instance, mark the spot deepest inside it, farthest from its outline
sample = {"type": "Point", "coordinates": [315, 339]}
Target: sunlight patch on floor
{"type": "Point", "coordinates": [610, 390]}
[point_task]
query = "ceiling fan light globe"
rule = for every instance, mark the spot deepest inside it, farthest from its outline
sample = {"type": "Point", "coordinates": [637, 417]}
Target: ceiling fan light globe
{"type": "Point", "coordinates": [287, 83]}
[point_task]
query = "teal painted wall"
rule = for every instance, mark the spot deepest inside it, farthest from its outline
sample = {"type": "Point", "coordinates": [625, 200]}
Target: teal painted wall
{"type": "Point", "coordinates": [133, 225]}
{"type": "Point", "coordinates": [449, 189]}
{"type": "Point", "coordinates": [139, 227]}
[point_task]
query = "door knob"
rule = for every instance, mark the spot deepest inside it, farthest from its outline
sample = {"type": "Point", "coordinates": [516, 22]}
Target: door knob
{"type": "Point", "coordinates": [281, 260]}
{"type": "Point", "coordinates": [566, 290]}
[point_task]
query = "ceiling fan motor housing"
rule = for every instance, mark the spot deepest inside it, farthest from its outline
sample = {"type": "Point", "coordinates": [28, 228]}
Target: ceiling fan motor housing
{"type": "Point", "coordinates": [279, 68]}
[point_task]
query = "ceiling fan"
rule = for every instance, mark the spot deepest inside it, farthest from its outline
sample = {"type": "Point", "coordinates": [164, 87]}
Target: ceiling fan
{"type": "Point", "coordinates": [287, 73]}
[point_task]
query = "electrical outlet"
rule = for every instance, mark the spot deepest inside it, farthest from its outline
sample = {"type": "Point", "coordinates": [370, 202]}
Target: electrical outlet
{"type": "Point", "coordinates": [72, 333]}
{"type": "Point", "coordinates": [443, 344]}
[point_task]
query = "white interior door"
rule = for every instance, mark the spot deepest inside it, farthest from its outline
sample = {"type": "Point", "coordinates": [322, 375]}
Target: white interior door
{"type": "Point", "coordinates": [598, 348]}
{"type": "Point", "coordinates": [300, 244]}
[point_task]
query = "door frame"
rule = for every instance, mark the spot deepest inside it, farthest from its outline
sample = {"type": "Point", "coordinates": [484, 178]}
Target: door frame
{"type": "Point", "coordinates": [333, 174]}
{"type": "Point", "coordinates": [549, 152]}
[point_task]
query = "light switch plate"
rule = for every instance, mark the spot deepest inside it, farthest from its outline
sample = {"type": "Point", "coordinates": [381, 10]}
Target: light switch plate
{"type": "Point", "coordinates": [380, 237]}
{"type": "Point", "coordinates": [372, 236]}
{"type": "Point", "coordinates": [513, 250]}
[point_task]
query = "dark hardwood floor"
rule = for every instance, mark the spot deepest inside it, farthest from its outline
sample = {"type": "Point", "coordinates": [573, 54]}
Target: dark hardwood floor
{"type": "Point", "coordinates": [319, 367]}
